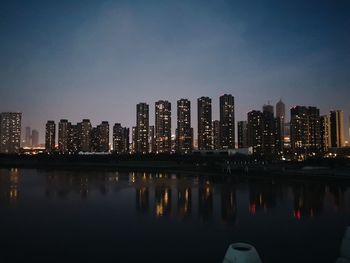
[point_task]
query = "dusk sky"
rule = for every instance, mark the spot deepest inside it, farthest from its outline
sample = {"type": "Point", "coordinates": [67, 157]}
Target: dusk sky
{"type": "Point", "coordinates": [98, 59]}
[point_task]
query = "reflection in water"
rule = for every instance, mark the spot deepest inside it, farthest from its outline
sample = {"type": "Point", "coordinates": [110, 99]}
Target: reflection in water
{"type": "Point", "coordinates": [308, 200]}
{"type": "Point", "coordinates": [205, 201]}
{"type": "Point", "coordinates": [9, 186]}
{"type": "Point", "coordinates": [184, 199]}
{"type": "Point", "coordinates": [162, 201]}
{"type": "Point", "coordinates": [228, 204]}
{"type": "Point", "coordinates": [262, 197]}
{"type": "Point", "coordinates": [142, 199]}
{"type": "Point", "coordinates": [171, 195]}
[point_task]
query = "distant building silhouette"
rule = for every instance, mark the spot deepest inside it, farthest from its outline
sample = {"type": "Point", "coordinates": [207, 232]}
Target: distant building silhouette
{"type": "Point", "coordinates": [337, 128]}
{"type": "Point", "coordinates": [227, 122]}
{"type": "Point", "coordinates": [50, 136]}
{"type": "Point", "coordinates": [35, 138]}
{"type": "Point", "coordinates": [205, 140]}
{"type": "Point", "coordinates": [242, 133]}
{"type": "Point", "coordinates": [28, 137]}
{"type": "Point", "coordinates": [216, 135]}
{"type": "Point", "coordinates": [10, 132]}
{"type": "Point", "coordinates": [184, 131]}
{"type": "Point", "coordinates": [142, 126]}
{"type": "Point", "coordinates": [280, 125]}
{"type": "Point", "coordinates": [163, 126]}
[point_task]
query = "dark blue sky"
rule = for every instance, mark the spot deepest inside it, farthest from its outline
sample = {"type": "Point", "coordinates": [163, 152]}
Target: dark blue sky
{"type": "Point", "coordinates": [97, 59]}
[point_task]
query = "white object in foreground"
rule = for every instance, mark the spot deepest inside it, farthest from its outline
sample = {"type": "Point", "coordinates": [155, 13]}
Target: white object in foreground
{"type": "Point", "coordinates": [241, 253]}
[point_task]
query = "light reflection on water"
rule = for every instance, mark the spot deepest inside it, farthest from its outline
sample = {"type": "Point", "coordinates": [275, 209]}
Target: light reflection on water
{"type": "Point", "coordinates": [171, 199]}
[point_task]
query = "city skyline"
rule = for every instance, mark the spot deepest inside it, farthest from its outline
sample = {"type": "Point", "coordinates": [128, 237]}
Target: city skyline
{"type": "Point", "coordinates": [98, 59]}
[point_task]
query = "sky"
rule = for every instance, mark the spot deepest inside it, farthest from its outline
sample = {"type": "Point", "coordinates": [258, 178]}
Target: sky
{"type": "Point", "coordinates": [97, 59]}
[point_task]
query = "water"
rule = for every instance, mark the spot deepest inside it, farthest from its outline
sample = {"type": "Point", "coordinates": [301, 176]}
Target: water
{"type": "Point", "coordinates": [99, 216]}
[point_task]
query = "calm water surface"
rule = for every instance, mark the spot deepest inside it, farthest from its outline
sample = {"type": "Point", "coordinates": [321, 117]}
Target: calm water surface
{"type": "Point", "coordinates": [97, 216]}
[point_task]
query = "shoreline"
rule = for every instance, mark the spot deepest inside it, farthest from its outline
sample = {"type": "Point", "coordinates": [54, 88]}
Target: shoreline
{"type": "Point", "coordinates": [188, 165]}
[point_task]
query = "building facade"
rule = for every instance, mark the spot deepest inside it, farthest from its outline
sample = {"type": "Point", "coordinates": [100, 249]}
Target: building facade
{"type": "Point", "coordinates": [120, 139]}
{"type": "Point", "coordinates": [184, 131]}
{"type": "Point", "coordinates": [10, 132]}
{"type": "Point", "coordinates": [255, 128]}
{"type": "Point", "coordinates": [205, 140]}
{"type": "Point", "coordinates": [163, 126]}
{"type": "Point", "coordinates": [337, 128]}
{"type": "Point", "coordinates": [142, 126]}
{"type": "Point", "coordinates": [242, 133]}
{"type": "Point", "coordinates": [64, 136]}
{"type": "Point", "coordinates": [227, 121]}
{"type": "Point", "coordinates": [50, 136]}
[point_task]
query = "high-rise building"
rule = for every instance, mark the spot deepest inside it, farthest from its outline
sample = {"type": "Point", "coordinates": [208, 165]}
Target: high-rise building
{"type": "Point", "coordinates": [142, 126]}
{"type": "Point", "coordinates": [152, 140]}
{"type": "Point", "coordinates": [133, 140]}
{"type": "Point", "coordinates": [64, 130]}
{"type": "Point", "coordinates": [120, 139]}
{"type": "Point", "coordinates": [74, 145]}
{"type": "Point", "coordinates": [28, 137]}
{"type": "Point", "coordinates": [216, 135]}
{"type": "Point", "coordinates": [85, 128]}
{"type": "Point", "coordinates": [227, 121]}
{"type": "Point", "coordinates": [280, 125]}
{"type": "Point", "coordinates": [337, 128]}
{"type": "Point", "coordinates": [281, 110]}
{"type": "Point", "coordinates": [205, 140]}
{"type": "Point", "coordinates": [10, 132]}
{"type": "Point", "coordinates": [269, 131]}
{"type": "Point", "coordinates": [103, 132]}
{"type": "Point", "coordinates": [35, 138]}
{"type": "Point", "coordinates": [184, 131]}
{"type": "Point", "coordinates": [325, 133]}
{"type": "Point", "coordinates": [305, 130]}
{"type": "Point", "coordinates": [163, 126]}
{"type": "Point", "coordinates": [100, 138]}
{"type": "Point", "coordinates": [255, 128]}
{"type": "Point", "coordinates": [50, 136]}
{"type": "Point", "coordinates": [242, 130]}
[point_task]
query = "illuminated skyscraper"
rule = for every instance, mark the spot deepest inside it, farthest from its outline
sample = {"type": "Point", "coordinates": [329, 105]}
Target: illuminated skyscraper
{"type": "Point", "coordinates": [74, 145]}
{"type": "Point", "coordinates": [205, 140]}
{"type": "Point", "coordinates": [325, 133]}
{"type": "Point", "coordinates": [50, 136]}
{"type": "Point", "coordinates": [184, 131]}
{"type": "Point", "coordinates": [64, 130]}
{"type": "Point", "coordinates": [100, 137]}
{"type": "Point", "coordinates": [163, 126]}
{"type": "Point", "coordinates": [227, 121]}
{"type": "Point", "coordinates": [142, 126]}
{"type": "Point", "coordinates": [269, 133]}
{"type": "Point", "coordinates": [337, 128]}
{"type": "Point", "coordinates": [120, 139]}
{"type": "Point", "coordinates": [242, 130]}
{"type": "Point", "coordinates": [85, 128]}
{"type": "Point", "coordinates": [255, 128]}
{"type": "Point", "coordinates": [305, 130]}
{"type": "Point", "coordinates": [216, 135]}
{"type": "Point", "coordinates": [10, 132]}
{"type": "Point", "coordinates": [152, 140]}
